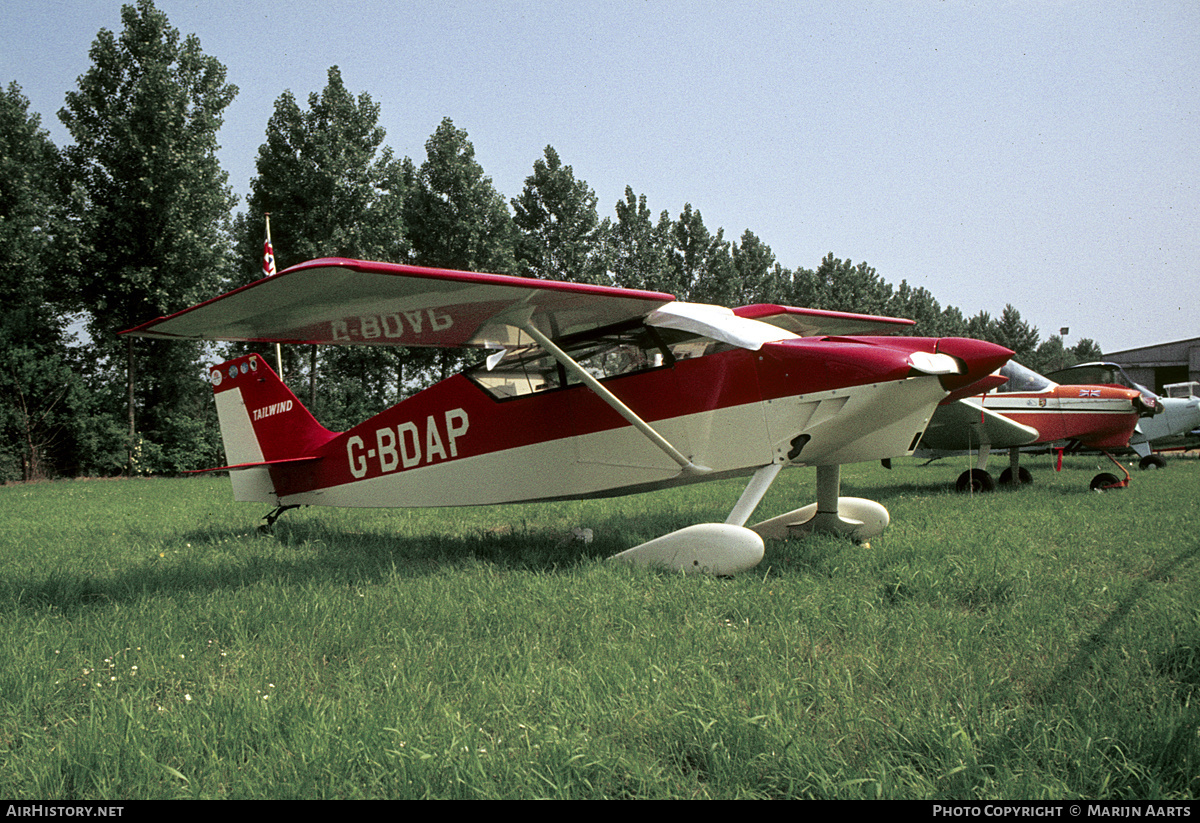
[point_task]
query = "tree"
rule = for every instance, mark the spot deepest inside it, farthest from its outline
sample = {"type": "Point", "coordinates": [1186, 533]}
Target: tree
{"type": "Point", "coordinates": [636, 249]}
{"type": "Point", "coordinates": [1014, 333]}
{"type": "Point", "coordinates": [42, 399]}
{"type": "Point", "coordinates": [952, 323]}
{"type": "Point", "coordinates": [981, 327]}
{"type": "Point", "coordinates": [1087, 350]}
{"type": "Point", "coordinates": [1053, 355]}
{"type": "Point", "coordinates": [456, 220]}
{"type": "Point", "coordinates": [802, 288]}
{"type": "Point", "coordinates": [1050, 356]}
{"type": "Point", "coordinates": [331, 186]}
{"type": "Point", "coordinates": [845, 287]}
{"type": "Point", "coordinates": [155, 219]}
{"type": "Point", "coordinates": [757, 277]}
{"type": "Point", "coordinates": [559, 228]}
{"type": "Point", "coordinates": [917, 305]}
{"type": "Point", "coordinates": [701, 265]}
{"type": "Point", "coordinates": [333, 190]}
{"type": "Point", "coordinates": [455, 217]}
{"type": "Point", "coordinates": [32, 218]}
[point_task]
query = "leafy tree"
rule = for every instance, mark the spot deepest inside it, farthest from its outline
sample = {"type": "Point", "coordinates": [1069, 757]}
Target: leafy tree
{"type": "Point", "coordinates": [1014, 333]}
{"type": "Point", "coordinates": [331, 186]}
{"type": "Point", "coordinates": [701, 265]}
{"type": "Point", "coordinates": [952, 323]}
{"type": "Point", "coordinates": [981, 327]}
{"type": "Point", "coordinates": [842, 286]}
{"type": "Point", "coordinates": [33, 203]}
{"type": "Point", "coordinates": [155, 218]}
{"type": "Point", "coordinates": [917, 305]}
{"type": "Point", "coordinates": [636, 249]}
{"type": "Point", "coordinates": [456, 219]}
{"type": "Point", "coordinates": [803, 289]}
{"type": "Point", "coordinates": [1052, 355]}
{"type": "Point", "coordinates": [42, 400]}
{"type": "Point", "coordinates": [333, 190]}
{"type": "Point", "coordinates": [757, 277]}
{"type": "Point", "coordinates": [1087, 350]}
{"type": "Point", "coordinates": [559, 228]}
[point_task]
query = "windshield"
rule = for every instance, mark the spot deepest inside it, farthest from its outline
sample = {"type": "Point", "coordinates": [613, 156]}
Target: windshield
{"type": "Point", "coordinates": [1099, 374]}
{"type": "Point", "coordinates": [1021, 379]}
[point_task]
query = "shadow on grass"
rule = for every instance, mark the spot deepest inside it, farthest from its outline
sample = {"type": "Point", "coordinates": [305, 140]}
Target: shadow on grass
{"type": "Point", "coordinates": [1091, 647]}
{"type": "Point", "coordinates": [313, 551]}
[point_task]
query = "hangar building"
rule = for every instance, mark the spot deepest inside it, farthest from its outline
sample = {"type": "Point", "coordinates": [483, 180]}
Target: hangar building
{"type": "Point", "coordinates": [1165, 363]}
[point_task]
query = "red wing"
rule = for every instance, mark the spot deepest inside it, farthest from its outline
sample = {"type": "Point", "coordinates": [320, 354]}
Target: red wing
{"type": "Point", "coordinates": [818, 322]}
{"type": "Point", "coordinates": [357, 302]}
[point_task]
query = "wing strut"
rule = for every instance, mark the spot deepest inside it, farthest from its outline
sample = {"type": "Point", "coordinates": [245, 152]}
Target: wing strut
{"type": "Point", "coordinates": [611, 399]}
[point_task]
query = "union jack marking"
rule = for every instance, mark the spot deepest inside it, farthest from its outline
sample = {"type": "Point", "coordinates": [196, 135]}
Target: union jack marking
{"type": "Point", "coordinates": [1089, 392]}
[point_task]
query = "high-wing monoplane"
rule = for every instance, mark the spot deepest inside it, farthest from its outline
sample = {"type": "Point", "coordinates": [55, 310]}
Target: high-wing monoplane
{"type": "Point", "coordinates": [585, 391]}
{"type": "Point", "coordinates": [1177, 417]}
{"type": "Point", "coordinates": [1027, 409]}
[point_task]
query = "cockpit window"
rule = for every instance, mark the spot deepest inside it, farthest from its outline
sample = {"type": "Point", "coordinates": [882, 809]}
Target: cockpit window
{"type": "Point", "coordinates": [1100, 374]}
{"type": "Point", "coordinates": [530, 369]}
{"type": "Point", "coordinates": [1021, 379]}
{"type": "Point", "coordinates": [521, 371]}
{"type": "Point", "coordinates": [1097, 376]}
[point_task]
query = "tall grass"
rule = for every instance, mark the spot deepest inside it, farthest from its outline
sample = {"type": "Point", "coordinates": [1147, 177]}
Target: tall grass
{"type": "Point", "coordinates": [1041, 643]}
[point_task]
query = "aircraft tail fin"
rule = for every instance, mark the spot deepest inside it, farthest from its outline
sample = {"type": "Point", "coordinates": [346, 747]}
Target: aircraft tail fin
{"type": "Point", "coordinates": [262, 424]}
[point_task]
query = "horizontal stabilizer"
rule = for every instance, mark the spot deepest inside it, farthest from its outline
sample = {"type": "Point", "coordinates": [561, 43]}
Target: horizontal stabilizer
{"type": "Point", "coordinates": [241, 466]}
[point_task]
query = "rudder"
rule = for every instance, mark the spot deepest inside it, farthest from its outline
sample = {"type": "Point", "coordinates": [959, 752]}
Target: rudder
{"type": "Point", "coordinates": [262, 422]}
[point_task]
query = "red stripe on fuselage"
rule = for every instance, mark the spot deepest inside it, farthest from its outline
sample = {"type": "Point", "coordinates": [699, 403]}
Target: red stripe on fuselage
{"type": "Point", "coordinates": [456, 418]}
{"type": "Point", "coordinates": [1101, 421]}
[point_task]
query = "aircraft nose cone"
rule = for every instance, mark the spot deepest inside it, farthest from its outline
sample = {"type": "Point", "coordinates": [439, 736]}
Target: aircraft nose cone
{"type": "Point", "coordinates": [979, 359]}
{"type": "Point", "coordinates": [1147, 406]}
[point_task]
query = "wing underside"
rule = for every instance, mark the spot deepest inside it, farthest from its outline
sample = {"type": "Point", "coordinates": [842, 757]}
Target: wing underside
{"type": "Point", "coordinates": [353, 302]}
{"type": "Point", "coordinates": [959, 426]}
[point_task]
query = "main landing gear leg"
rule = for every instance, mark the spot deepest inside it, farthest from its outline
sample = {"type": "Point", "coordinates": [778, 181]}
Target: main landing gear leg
{"type": "Point", "coordinates": [853, 517]}
{"type": "Point", "coordinates": [1015, 474]}
{"type": "Point", "coordinates": [1105, 481]}
{"type": "Point", "coordinates": [977, 479]}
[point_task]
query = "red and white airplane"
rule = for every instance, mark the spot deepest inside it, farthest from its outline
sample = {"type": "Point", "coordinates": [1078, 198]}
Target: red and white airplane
{"type": "Point", "coordinates": [1028, 409]}
{"type": "Point", "coordinates": [587, 391]}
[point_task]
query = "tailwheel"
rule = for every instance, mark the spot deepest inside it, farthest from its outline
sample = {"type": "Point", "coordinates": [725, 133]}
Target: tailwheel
{"type": "Point", "coordinates": [975, 480]}
{"type": "Point", "coordinates": [1024, 478]}
{"type": "Point", "coordinates": [272, 516]}
{"type": "Point", "coordinates": [1105, 481]}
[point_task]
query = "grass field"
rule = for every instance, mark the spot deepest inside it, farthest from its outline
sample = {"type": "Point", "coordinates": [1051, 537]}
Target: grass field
{"type": "Point", "coordinates": [1042, 643]}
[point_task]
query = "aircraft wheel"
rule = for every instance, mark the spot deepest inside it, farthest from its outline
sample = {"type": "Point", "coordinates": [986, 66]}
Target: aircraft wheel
{"type": "Point", "coordinates": [1105, 481]}
{"type": "Point", "coordinates": [1152, 461]}
{"type": "Point", "coordinates": [975, 480]}
{"type": "Point", "coordinates": [1023, 475]}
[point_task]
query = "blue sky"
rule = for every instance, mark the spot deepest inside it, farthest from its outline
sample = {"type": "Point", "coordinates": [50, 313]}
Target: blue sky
{"type": "Point", "coordinates": [1043, 153]}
